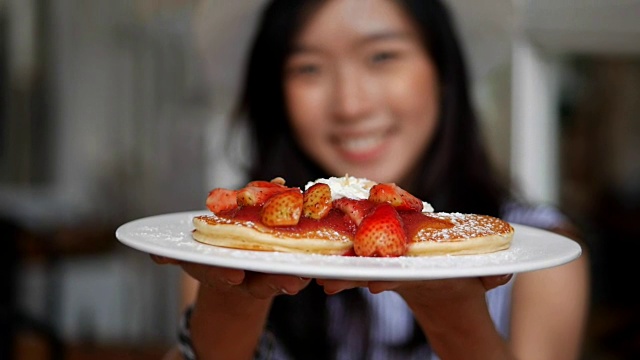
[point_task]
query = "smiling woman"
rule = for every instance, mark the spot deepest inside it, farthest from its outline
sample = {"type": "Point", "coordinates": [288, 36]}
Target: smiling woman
{"type": "Point", "coordinates": [349, 84]}
{"type": "Point", "coordinates": [377, 89]}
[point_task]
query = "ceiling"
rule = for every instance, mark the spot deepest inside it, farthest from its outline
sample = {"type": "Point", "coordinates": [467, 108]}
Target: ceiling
{"type": "Point", "coordinates": [584, 26]}
{"type": "Point", "coordinates": [564, 26]}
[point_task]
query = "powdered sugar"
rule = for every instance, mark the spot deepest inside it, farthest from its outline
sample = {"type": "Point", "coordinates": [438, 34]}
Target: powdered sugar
{"type": "Point", "coordinates": [465, 226]}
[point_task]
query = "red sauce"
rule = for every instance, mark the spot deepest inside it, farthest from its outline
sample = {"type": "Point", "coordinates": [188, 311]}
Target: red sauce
{"type": "Point", "coordinates": [335, 221]}
{"type": "Point", "coordinates": [415, 221]}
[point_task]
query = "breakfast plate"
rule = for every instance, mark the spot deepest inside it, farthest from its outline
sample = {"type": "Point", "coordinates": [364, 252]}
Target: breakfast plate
{"type": "Point", "coordinates": [169, 235]}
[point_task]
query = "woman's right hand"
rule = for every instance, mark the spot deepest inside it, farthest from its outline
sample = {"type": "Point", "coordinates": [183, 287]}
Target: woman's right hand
{"type": "Point", "coordinates": [239, 282]}
{"type": "Point", "coordinates": [231, 307]}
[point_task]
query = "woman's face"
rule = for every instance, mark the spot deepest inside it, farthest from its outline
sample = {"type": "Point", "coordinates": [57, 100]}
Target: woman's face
{"type": "Point", "coordinates": [361, 90]}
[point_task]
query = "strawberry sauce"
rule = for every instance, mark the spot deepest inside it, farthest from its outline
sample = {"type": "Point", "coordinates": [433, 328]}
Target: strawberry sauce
{"type": "Point", "coordinates": [415, 221]}
{"type": "Point", "coordinates": [334, 223]}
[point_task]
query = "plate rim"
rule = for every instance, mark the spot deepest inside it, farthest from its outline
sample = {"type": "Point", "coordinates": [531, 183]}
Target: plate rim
{"type": "Point", "coordinates": [356, 268]}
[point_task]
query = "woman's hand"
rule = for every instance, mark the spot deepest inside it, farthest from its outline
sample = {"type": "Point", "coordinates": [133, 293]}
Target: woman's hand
{"type": "Point", "coordinates": [239, 282]}
{"type": "Point", "coordinates": [415, 288]}
{"type": "Point", "coordinates": [231, 307]}
{"type": "Point", "coordinates": [452, 313]}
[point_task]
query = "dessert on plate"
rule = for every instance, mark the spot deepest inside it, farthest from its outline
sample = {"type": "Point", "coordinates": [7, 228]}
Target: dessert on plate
{"type": "Point", "coordinates": [343, 216]}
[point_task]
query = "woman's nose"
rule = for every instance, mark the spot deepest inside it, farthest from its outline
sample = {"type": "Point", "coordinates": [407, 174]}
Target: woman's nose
{"type": "Point", "coordinates": [352, 95]}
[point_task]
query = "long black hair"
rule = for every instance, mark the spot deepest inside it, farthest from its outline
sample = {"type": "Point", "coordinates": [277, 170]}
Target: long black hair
{"type": "Point", "coordinates": [455, 173]}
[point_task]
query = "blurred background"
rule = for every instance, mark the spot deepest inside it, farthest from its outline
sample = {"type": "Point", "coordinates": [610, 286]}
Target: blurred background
{"type": "Point", "coordinates": [112, 111]}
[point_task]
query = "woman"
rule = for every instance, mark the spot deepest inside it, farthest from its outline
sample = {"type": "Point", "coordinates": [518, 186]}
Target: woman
{"type": "Point", "coordinates": [377, 89]}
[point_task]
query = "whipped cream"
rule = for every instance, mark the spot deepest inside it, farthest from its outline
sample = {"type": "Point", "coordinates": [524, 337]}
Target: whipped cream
{"type": "Point", "coordinates": [353, 188]}
{"type": "Point", "coordinates": [426, 207]}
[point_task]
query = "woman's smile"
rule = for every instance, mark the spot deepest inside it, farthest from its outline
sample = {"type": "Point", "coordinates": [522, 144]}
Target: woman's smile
{"type": "Point", "coordinates": [363, 147]}
{"type": "Point", "coordinates": [361, 91]}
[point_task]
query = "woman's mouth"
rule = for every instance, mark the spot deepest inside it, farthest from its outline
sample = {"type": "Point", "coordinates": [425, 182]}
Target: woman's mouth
{"type": "Point", "coordinates": [362, 148]}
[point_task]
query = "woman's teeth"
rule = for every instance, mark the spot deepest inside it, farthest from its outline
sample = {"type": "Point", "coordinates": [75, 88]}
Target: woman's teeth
{"type": "Point", "coordinates": [361, 144]}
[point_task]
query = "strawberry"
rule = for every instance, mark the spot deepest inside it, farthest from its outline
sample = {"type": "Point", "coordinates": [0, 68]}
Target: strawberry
{"type": "Point", "coordinates": [254, 195]}
{"type": "Point", "coordinates": [356, 210]}
{"type": "Point", "coordinates": [381, 233]}
{"type": "Point", "coordinates": [220, 199]}
{"type": "Point", "coordinates": [396, 196]}
{"type": "Point", "coordinates": [278, 180]}
{"type": "Point", "coordinates": [317, 201]}
{"type": "Point", "coordinates": [267, 184]}
{"type": "Point", "coordinates": [283, 209]}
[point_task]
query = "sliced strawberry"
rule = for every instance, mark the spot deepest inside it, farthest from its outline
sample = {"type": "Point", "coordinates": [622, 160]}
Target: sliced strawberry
{"type": "Point", "coordinates": [355, 209]}
{"type": "Point", "coordinates": [258, 195]}
{"type": "Point", "coordinates": [381, 233]}
{"type": "Point", "coordinates": [317, 201]}
{"type": "Point", "coordinates": [220, 199]}
{"type": "Point", "coordinates": [396, 196]}
{"type": "Point", "coordinates": [283, 209]}
{"type": "Point", "coordinates": [278, 180]}
{"type": "Point", "coordinates": [267, 184]}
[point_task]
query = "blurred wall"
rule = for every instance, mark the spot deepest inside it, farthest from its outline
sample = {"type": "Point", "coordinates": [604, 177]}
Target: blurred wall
{"type": "Point", "coordinates": [123, 112]}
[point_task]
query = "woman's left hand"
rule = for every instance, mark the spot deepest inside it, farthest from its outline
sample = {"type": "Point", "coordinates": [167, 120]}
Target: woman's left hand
{"type": "Point", "coordinates": [335, 286]}
{"type": "Point", "coordinates": [423, 292]}
{"type": "Point", "coordinates": [452, 313]}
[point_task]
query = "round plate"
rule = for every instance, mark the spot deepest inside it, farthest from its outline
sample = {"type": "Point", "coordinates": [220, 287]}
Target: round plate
{"type": "Point", "coordinates": [170, 235]}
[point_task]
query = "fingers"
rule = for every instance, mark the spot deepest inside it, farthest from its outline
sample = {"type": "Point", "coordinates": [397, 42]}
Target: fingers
{"type": "Point", "coordinates": [440, 288]}
{"type": "Point", "coordinates": [264, 286]}
{"type": "Point", "coordinates": [332, 287]}
{"type": "Point", "coordinates": [215, 277]}
{"type": "Point", "coordinates": [376, 287]}
{"type": "Point", "coordinates": [161, 260]}
{"type": "Point", "coordinates": [207, 275]}
{"type": "Point", "coordinates": [490, 282]}
{"type": "Point", "coordinates": [229, 276]}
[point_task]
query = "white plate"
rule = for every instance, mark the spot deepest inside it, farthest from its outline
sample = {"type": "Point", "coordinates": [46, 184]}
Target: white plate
{"type": "Point", "coordinates": [170, 235]}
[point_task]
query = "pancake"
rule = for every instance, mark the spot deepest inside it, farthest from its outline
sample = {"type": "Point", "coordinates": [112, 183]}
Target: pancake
{"type": "Point", "coordinates": [470, 234]}
{"type": "Point", "coordinates": [343, 216]}
{"type": "Point", "coordinates": [246, 235]}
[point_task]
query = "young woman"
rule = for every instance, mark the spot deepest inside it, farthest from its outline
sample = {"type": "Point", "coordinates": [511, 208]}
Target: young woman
{"type": "Point", "coordinates": [378, 89]}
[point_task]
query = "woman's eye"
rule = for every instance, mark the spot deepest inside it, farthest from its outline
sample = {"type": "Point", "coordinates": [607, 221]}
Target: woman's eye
{"type": "Point", "coordinates": [382, 57]}
{"type": "Point", "coordinates": [305, 69]}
